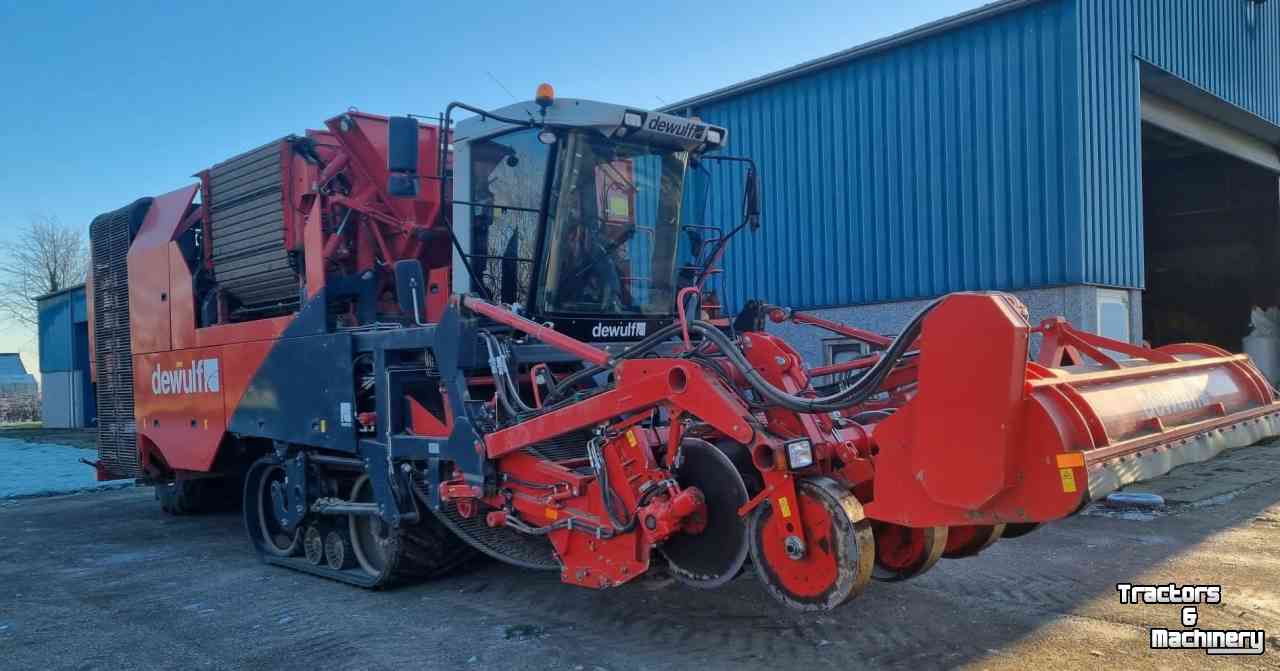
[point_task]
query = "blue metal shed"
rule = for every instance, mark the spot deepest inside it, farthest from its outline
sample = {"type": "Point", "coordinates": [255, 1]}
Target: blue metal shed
{"type": "Point", "coordinates": [67, 394]}
{"type": "Point", "coordinates": [1003, 148]}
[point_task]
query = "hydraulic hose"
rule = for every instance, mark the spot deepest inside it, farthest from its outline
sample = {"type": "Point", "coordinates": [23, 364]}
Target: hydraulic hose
{"type": "Point", "coordinates": [643, 347]}
{"type": "Point", "coordinates": [865, 386]}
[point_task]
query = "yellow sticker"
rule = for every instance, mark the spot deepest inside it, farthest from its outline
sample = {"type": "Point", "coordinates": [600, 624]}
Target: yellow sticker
{"type": "Point", "coordinates": [551, 513]}
{"type": "Point", "coordinates": [619, 206]}
{"type": "Point", "coordinates": [324, 426]}
{"type": "Point", "coordinates": [1068, 479]}
{"type": "Point", "coordinates": [631, 439]}
{"type": "Point", "coordinates": [785, 507]}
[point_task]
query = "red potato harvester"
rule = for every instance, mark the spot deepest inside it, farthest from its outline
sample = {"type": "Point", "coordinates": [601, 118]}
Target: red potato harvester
{"type": "Point", "coordinates": [398, 344]}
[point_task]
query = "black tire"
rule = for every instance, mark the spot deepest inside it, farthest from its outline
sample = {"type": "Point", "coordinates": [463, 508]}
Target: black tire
{"type": "Point", "coordinates": [198, 496]}
{"type": "Point", "coordinates": [1019, 529]}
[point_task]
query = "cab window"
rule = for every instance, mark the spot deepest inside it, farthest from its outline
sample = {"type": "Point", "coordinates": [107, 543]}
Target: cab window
{"type": "Point", "coordinates": [508, 175]}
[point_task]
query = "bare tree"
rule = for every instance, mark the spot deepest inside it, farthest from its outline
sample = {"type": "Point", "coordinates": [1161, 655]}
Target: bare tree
{"type": "Point", "coordinates": [46, 257]}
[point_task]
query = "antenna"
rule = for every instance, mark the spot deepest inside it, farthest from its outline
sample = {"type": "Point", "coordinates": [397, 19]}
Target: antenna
{"type": "Point", "coordinates": [501, 86]}
{"type": "Point", "coordinates": [513, 96]}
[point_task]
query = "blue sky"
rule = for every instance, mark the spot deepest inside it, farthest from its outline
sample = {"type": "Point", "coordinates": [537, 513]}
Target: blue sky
{"type": "Point", "coordinates": [106, 102]}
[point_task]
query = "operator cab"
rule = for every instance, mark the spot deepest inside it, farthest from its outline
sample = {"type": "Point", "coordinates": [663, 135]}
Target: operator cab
{"type": "Point", "coordinates": [575, 217]}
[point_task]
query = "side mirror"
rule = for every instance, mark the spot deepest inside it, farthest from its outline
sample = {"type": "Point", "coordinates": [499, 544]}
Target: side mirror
{"type": "Point", "coordinates": [402, 157]}
{"type": "Point", "coordinates": [410, 288]}
{"type": "Point", "coordinates": [751, 200]}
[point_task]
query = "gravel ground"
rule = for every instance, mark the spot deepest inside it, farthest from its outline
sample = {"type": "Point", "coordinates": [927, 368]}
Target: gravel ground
{"type": "Point", "coordinates": [105, 581]}
{"type": "Point", "coordinates": [45, 469]}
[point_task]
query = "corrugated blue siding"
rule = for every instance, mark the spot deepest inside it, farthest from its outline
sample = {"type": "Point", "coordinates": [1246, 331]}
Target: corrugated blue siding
{"type": "Point", "coordinates": [946, 164]}
{"type": "Point", "coordinates": [1230, 48]}
{"type": "Point", "coordinates": [60, 318]}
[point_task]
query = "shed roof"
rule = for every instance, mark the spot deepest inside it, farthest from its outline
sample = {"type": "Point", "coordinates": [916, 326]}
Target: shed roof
{"type": "Point", "coordinates": [54, 294]}
{"type": "Point", "coordinates": [11, 365]}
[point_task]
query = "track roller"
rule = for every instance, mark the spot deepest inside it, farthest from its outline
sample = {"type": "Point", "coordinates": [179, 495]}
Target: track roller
{"type": "Point", "coordinates": [313, 545]}
{"type": "Point", "coordinates": [833, 561]}
{"type": "Point", "coordinates": [337, 552]}
{"type": "Point", "coordinates": [969, 540]}
{"type": "Point", "coordinates": [906, 552]}
{"type": "Point", "coordinates": [379, 555]}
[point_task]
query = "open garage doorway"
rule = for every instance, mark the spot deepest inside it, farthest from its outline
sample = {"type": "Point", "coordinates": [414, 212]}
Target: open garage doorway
{"type": "Point", "coordinates": [1212, 240]}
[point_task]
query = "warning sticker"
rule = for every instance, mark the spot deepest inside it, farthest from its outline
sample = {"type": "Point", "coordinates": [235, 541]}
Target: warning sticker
{"type": "Point", "coordinates": [1068, 479]}
{"type": "Point", "coordinates": [785, 507]}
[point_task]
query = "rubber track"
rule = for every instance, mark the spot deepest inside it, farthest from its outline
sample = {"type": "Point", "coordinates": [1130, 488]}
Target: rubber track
{"type": "Point", "coordinates": [418, 552]}
{"type": "Point", "coordinates": [415, 551]}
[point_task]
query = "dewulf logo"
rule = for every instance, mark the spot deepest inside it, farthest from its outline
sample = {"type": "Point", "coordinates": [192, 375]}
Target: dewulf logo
{"type": "Point", "coordinates": [628, 330]}
{"type": "Point", "coordinates": [683, 129]}
{"type": "Point", "coordinates": [200, 378]}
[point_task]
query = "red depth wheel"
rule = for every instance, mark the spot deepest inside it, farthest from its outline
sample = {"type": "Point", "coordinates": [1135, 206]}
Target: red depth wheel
{"type": "Point", "coordinates": [969, 540]}
{"type": "Point", "coordinates": [825, 566]}
{"type": "Point", "coordinates": [906, 552]}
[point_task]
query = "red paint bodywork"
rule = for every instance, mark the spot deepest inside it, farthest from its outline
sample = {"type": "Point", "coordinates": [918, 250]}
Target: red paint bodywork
{"type": "Point", "coordinates": [183, 432]}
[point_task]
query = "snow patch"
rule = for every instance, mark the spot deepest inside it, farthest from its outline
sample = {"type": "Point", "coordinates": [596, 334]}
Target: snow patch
{"type": "Point", "coordinates": [46, 469]}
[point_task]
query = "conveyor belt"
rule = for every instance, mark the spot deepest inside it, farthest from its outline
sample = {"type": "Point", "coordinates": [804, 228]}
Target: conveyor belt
{"type": "Point", "coordinates": [246, 220]}
{"type": "Point", "coordinates": [109, 237]}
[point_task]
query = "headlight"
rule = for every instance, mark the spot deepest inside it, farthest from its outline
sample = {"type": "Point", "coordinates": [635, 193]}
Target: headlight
{"type": "Point", "coordinates": [632, 119]}
{"type": "Point", "coordinates": [714, 136]}
{"type": "Point", "coordinates": [799, 454]}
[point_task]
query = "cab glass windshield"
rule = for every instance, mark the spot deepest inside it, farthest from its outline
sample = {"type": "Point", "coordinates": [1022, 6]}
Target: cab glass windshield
{"type": "Point", "coordinates": [614, 220]}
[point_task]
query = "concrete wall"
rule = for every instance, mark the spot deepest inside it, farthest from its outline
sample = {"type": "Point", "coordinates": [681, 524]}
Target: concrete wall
{"type": "Point", "coordinates": [1079, 304]}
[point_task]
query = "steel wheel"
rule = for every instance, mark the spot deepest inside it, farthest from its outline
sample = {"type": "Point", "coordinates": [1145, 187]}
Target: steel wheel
{"type": "Point", "coordinates": [261, 521]}
{"type": "Point", "coordinates": [906, 552]}
{"type": "Point", "coordinates": [371, 538]}
{"type": "Point", "coordinates": [969, 540]}
{"type": "Point", "coordinates": [313, 545]}
{"type": "Point", "coordinates": [834, 561]}
{"type": "Point", "coordinates": [715, 555]}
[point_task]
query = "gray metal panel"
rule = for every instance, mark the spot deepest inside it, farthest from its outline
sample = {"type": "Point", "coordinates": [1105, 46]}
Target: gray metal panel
{"type": "Point", "coordinates": [1169, 115]}
{"type": "Point", "coordinates": [944, 164]}
{"type": "Point", "coordinates": [60, 404]}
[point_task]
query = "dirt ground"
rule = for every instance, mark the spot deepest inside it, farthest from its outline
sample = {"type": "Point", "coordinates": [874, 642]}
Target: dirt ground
{"type": "Point", "coordinates": [104, 581]}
